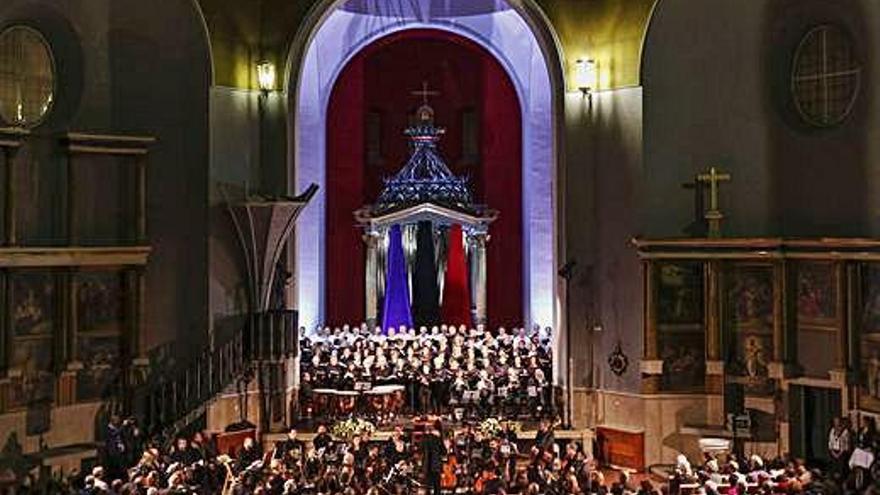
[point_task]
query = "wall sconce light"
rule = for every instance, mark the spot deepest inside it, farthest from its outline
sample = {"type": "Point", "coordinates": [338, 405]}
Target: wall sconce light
{"type": "Point", "coordinates": [266, 76]}
{"type": "Point", "coordinates": [585, 74]}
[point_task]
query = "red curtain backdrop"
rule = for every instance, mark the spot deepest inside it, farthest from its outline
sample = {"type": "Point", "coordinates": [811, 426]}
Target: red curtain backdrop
{"type": "Point", "coordinates": [345, 250]}
{"type": "Point", "coordinates": [501, 150]}
{"type": "Point", "coordinates": [378, 83]}
{"type": "Point", "coordinates": [456, 308]}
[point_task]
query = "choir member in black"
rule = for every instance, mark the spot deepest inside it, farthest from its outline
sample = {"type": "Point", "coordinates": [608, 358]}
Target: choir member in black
{"type": "Point", "coordinates": [484, 373]}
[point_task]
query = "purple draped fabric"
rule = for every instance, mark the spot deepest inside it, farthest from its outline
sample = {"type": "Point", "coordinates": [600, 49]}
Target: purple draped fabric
{"type": "Point", "coordinates": [396, 310]}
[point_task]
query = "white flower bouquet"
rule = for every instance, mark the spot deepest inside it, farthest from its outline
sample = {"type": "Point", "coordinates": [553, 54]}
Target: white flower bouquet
{"type": "Point", "coordinates": [352, 427]}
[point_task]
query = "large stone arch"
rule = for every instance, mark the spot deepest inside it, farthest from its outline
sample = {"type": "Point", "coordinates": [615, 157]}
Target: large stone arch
{"type": "Point", "coordinates": [520, 38]}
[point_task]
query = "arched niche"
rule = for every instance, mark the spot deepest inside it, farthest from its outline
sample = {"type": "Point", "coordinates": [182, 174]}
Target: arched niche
{"type": "Point", "coordinates": [512, 33]}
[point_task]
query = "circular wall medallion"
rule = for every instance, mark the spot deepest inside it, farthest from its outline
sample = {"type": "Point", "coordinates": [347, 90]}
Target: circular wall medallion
{"type": "Point", "coordinates": [618, 361]}
{"type": "Point", "coordinates": [826, 76]}
{"type": "Point", "coordinates": [27, 76]}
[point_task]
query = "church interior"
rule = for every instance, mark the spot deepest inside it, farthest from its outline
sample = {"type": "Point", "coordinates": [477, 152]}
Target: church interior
{"type": "Point", "coordinates": [515, 246]}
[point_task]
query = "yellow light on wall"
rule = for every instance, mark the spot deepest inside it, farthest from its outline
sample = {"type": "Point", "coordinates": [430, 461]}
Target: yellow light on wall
{"type": "Point", "coordinates": [585, 75]}
{"type": "Point", "coordinates": [266, 76]}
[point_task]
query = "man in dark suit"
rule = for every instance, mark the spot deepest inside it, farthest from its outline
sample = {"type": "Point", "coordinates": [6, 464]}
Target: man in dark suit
{"type": "Point", "coordinates": [322, 439]}
{"type": "Point", "coordinates": [433, 452]}
{"type": "Point", "coordinates": [290, 446]}
{"type": "Point", "coordinates": [250, 452]}
{"type": "Point", "coordinates": [544, 438]}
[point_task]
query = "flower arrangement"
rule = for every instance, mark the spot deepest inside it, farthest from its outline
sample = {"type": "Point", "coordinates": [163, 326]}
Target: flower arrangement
{"type": "Point", "coordinates": [492, 427]}
{"type": "Point", "coordinates": [352, 427]}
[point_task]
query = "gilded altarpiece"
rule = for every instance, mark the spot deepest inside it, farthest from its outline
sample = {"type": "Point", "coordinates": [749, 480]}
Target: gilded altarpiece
{"type": "Point", "coordinates": [33, 322]}
{"type": "Point", "coordinates": [869, 343]}
{"type": "Point", "coordinates": [100, 319]}
{"type": "Point", "coordinates": [65, 323]}
{"type": "Point", "coordinates": [818, 318]}
{"type": "Point", "coordinates": [781, 317]}
{"type": "Point", "coordinates": [748, 326]}
{"type": "Point", "coordinates": [680, 326]}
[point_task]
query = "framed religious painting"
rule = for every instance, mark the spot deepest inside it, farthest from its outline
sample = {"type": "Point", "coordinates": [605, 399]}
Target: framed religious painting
{"type": "Point", "coordinates": [869, 341]}
{"type": "Point", "coordinates": [101, 318]}
{"type": "Point", "coordinates": [748, 326]}
{"type": "Point", "coordinates": [33, 321]}
{"type": "Point", "coordinates": [680, 326]}
{"type": "Point", "coordinates": [818, 323]}
{"type": "Point", "coordinates": [817, 295]}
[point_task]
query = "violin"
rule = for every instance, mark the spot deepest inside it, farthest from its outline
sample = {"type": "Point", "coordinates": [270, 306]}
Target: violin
{"type": "Point", "coordinates": [482, 481]}
{"type": "Point", "coordinates": [448, 477]}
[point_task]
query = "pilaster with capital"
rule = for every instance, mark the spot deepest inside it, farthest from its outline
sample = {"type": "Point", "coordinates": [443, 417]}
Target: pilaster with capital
{"type": "Point", "coordinates": [713, 281]}
{"type": "Point", "coordinates": [11, 140]}
{"type": "Point", "coordinates": [784, 319]}
{"type": "Point", "coordinates": [373, 240]}
{"type": "Point", "coordinates": [477, 245]}
{"type": "Point", "coordinates": [652, 365]}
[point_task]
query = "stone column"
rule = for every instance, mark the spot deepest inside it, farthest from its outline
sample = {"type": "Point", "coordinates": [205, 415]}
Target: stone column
{"type": "Point", "coordinates": [784, 319]}
{"type": "Point", "coordinates": [477, 241]}
{"type": "Point", "coordinates": [713, 270]}
{"type": "Point", "coordinates": [371, 277]}
{"type": "Point", "coordinates": [651, 366]}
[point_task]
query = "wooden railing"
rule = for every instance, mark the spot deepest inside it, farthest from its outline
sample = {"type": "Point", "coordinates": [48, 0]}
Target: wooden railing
{"type": "Point", "coordinates": [168, 401]}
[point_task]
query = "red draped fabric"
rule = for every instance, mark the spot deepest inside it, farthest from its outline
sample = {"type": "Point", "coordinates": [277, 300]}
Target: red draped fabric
{"type": "Point", "coordinates": [456, 293]}
{"type": "Point", "coordinates": [376, 86]}
{"type": "Point", "coordinates": [345, 250]}
{"type": "Point", "coordinates": [501, 150]}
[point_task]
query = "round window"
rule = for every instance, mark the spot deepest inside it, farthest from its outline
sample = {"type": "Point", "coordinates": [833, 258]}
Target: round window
{"type": "Point", "coordinates": [826, 76]}
{"type": "Point", "coordinates": [27, 76]}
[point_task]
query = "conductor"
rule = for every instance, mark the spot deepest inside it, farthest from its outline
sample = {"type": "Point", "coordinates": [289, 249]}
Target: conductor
{"type": "Point", "coordinates": [433, 452]}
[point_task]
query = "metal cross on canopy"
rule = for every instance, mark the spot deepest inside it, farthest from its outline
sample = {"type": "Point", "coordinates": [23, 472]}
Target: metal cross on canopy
{"type": "Point", "coordinates": [425, 93]}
